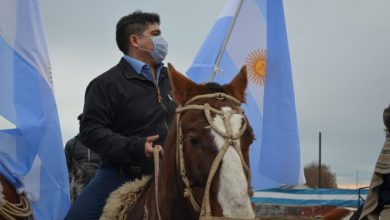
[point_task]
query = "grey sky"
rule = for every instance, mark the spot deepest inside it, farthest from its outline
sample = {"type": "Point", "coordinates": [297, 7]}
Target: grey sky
{"type": "Point", "coordinates": [339, 53]}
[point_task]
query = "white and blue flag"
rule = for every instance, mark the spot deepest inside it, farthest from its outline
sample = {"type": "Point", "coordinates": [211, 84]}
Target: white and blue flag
{"type": "Point", "coordinates": [253, 33]}
{"type": "Point", "coordinates": [31, 148]}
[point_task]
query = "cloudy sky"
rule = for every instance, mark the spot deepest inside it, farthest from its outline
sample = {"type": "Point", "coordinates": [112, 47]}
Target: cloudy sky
{"type": "Point", "coordinates": [339, 53]}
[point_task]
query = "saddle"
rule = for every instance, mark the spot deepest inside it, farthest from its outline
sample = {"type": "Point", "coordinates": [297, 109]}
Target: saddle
{"type": "Point", "coordinates": [122, 200]}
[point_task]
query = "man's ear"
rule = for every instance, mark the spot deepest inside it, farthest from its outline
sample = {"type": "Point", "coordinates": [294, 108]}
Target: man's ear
{"type": "Point", "coordinates": [133, 41]}
{"type": "Point", "coordinates": [238, 85]}
{"type": "Point", "coordinates": [181, 85]}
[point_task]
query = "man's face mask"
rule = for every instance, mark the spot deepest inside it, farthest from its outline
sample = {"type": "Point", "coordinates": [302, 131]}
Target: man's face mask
{"type": "Point", "coordinates": [160, 48]}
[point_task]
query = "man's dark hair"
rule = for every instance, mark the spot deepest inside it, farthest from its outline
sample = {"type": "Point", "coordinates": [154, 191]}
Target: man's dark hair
{"type": "Point", "coordinates": [386, 118]}
{"type": "Point", "coordinates": [135, 23]}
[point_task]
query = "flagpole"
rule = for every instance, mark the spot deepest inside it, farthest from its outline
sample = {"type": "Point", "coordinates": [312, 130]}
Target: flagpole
{"type": "Point", "coordinates": [225, 41]}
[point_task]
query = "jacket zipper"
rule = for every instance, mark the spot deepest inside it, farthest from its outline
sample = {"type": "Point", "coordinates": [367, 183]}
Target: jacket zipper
{"type": "Point", "coordinates": [160, 100]}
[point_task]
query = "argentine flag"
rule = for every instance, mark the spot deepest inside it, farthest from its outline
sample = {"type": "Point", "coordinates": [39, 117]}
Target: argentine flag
{"type": "Point", "coordinates": [31, 149]}
{"type": "Point", "coordinates": [253, 33]}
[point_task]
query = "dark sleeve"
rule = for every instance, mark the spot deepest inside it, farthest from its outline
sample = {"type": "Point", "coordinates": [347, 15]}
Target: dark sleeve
{"type": "Point", "coordinates": [101, 100]}
{"type": "Point", "coordinates": [68, 156]}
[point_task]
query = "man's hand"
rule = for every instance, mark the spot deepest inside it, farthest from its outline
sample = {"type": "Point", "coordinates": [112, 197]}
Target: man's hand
{"type": "Point", "coordinates": [149, 146]}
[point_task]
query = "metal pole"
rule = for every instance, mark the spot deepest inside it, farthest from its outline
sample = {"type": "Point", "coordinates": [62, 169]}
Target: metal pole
{"type": "Point", "coordinates": [357, 179]}
{"type": "Point", "coordinates": [225, 41]}
{"type": "Point", "coordinates": [319, 162]}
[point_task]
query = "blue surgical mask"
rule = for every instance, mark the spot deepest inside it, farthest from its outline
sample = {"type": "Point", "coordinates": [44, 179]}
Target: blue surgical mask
{"type": "Point", "coordinates": [160, 48]}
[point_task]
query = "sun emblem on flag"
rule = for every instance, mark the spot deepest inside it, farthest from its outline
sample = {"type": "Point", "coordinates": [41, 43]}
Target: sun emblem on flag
{"type": "Point", "coordinates": [256, 65]}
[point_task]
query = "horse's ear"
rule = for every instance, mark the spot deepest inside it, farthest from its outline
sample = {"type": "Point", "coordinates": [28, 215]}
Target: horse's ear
{"type": "Point", "coordinates": [238, 85]}
{"type": "Point", "coordinates": [181, 85]}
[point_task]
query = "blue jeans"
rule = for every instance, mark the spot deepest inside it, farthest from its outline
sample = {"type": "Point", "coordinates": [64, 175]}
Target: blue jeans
{"type": "Point", "coordinates": [89, 204]}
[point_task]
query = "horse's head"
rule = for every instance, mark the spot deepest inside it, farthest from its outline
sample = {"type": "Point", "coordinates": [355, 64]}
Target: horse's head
{"type": "Point", "coordinates": [213, 138]}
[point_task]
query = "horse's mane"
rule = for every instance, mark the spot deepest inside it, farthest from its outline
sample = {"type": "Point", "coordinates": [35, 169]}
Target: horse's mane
{"type": "Point", "coordinates": [213, 87]}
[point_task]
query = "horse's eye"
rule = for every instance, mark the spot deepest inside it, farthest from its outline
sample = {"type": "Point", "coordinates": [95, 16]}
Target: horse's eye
{"type": "Point", "coordinates": [194, 142]}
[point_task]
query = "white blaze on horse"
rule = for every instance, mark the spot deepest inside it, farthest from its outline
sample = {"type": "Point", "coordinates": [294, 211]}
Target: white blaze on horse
{"type": "Point", "coordinates": [205, 170]}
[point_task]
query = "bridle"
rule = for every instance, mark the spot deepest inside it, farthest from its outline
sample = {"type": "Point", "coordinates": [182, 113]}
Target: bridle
{"type": "Point", "coordinates": [231, 140]}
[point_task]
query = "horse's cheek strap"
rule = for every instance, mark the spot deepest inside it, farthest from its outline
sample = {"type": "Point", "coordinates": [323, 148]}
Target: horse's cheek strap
{"type": "Point", "coordinates": [181, 167]}
{"type": "Point", "coordinates": [206, 208]}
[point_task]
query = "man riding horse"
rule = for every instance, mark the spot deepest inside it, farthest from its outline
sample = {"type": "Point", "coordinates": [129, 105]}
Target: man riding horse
{"type": "Point", "coordinates": [205, 170]}
{"type": "Point", "coordinates": [127, 112]}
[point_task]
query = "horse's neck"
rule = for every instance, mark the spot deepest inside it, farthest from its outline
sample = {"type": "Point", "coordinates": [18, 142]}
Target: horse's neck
{"type": "Point", "coordinates": [172, 203]}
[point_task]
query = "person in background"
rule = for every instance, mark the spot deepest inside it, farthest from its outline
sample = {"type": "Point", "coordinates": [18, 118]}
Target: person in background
{"type": "Point", "coordinates": [127, 112]}
{"type": "Point", "coordinates": [378, 198]}
{"type": "Point", "coordinates": [82, 165]}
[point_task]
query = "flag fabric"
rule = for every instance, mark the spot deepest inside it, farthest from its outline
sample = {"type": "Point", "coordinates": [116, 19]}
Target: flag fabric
{"type": "Point", "coordinates": [31, 148]}
{"type": "Point", "coordinates": [253, 33]}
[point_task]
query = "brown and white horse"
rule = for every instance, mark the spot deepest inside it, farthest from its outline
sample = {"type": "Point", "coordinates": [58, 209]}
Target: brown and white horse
{"type": "Point", "coordinates": [205, 169]}
{"type": "Point", "coordinates": [12, 205]}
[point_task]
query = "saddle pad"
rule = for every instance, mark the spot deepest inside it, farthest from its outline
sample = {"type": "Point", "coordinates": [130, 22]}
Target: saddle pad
{"type": "Point", "coordinates": [123, 199]}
